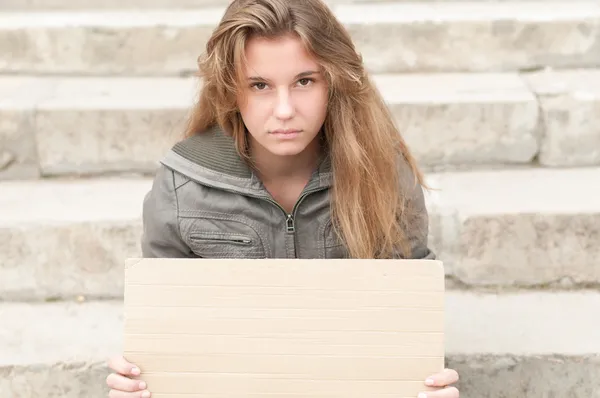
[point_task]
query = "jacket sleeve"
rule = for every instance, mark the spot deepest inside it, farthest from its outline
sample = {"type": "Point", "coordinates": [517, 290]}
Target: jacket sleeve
{"type": "Point", "coordinates": [415, 220]}
{"type": "Point", "coordinates": [161, 236]}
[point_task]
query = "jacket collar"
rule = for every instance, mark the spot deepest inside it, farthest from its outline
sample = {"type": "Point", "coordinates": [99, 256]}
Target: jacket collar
{"type": "Point", "coordinates": [210, 158]}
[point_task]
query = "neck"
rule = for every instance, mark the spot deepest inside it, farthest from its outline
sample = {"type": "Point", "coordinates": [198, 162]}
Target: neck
{"type": "Point", "coordinates": [271, 167]}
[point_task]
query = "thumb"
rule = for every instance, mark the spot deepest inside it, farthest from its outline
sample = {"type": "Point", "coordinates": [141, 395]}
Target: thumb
{"type": "Point", "coordinates": [123, 367]}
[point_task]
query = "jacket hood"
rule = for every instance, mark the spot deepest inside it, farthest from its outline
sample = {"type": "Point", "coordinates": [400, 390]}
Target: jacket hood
{"type": "Point", "coordinates": [211, 158]}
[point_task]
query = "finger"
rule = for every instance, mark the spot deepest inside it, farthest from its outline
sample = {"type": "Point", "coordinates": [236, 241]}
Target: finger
{"type": "Point", "coordinates": [121, 394]}
{"type": "Point", "coordinates": [443, 379]}
{"type": "Point", "coordinates": [122, 383]}
{"type": "Point", "coordinates": [450, 392]}
{"type": "Point", "coordinates": [123, 367]}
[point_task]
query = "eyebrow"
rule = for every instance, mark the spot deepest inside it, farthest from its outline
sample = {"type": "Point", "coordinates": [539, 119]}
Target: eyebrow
{"type": "Point", "coordinates": [298, 76]}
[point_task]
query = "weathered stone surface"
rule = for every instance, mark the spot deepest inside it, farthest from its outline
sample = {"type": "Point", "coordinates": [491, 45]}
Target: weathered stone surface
{"type": "Point", "coordinates": [18, 96]}
{"type": "Point", "coordinates": [464, 119]}
{"type": "Point", "coordinates": [526, 377]}
{"type": "Point", "coordinates": [18, 158]}
{"type": "Point", "coordinates": [81, 258]}
{"type": "Point", "coordinates": [67, 360]}
{"type": "Point", "coordinates": [106, 125]}
{"type": "Point", "coordinates": [522, 323]}
{"type": "Point", "coordinates": [105, 42]}
{"type": "Point", "coordinates": [57, 350]}
{"type": "Point", "coordinates": [107, 4]}
{"type": "Point", "coordinates": [495, 36]}
{"type": "Point", "coordinates": [61, 332]}
{"type": "Point", "coordinates": [392, 37]}
{"type": "Point", "coordinates": [63, 239]}
{"type": "Point", "coordinates": [570, 104]}
{"type": "Point", "coordinates": [145, 4]}
{"type": "Point", "coordinates": [61, 380]}
{"type": "Point", "coordinates": [98, 125]}
{"type": "Point", "coordinates": [516, 228]}
{"type": "Point", "coordinates": [481, 377]}
{"type": "Point", "coordinates": [505, 229]}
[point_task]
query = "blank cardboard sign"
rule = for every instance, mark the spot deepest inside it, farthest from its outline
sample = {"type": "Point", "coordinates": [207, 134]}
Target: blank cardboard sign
{"type": "Point", "coordinates": [284, 328]}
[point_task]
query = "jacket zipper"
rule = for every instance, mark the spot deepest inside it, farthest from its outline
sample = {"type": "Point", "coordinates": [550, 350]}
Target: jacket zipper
{"type": "Point", "coordinates": [290, 225]}
{"type": "Point", "coordinates": [244, 241]}
{"type": "Point", "coordinates": [290, 217]}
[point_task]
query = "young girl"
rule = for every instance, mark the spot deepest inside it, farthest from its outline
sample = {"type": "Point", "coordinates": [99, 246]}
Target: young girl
{"type": "Point", "coordinates": [289, 153]}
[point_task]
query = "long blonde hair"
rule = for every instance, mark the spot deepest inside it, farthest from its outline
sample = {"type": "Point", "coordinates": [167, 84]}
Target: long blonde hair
{"type": "Point", "coordinates": [368, 204]}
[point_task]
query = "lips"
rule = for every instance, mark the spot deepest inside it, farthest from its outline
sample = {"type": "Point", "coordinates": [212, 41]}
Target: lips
{"type": "Point", "coordinates": [285, 132]}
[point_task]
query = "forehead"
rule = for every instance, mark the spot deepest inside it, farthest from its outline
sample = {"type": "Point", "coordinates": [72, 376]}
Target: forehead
{"type": "Point", "coordinates": [278, 58]}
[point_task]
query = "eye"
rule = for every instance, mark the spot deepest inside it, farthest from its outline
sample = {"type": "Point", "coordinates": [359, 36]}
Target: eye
{"type": "Point", "coordinates": [259, 86]}
{"type": "Point", "coordinates": [305, 81]}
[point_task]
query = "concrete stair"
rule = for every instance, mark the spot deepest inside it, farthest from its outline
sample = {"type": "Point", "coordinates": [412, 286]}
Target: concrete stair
{"type": "Point", "coordinates": [495, 230]}
{"type": "Point", "coordinates": [502, 345]}
{"type": "Point", "coordinates": [92, 125]}
{"type": "Point", "coordinates": [393, 37]}
{"type": "Point", "coordinates": [28, 5]}
{"type": "Point", "coordinates": [499, 100]}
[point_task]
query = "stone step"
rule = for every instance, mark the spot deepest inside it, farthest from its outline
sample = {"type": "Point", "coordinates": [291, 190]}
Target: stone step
{"type": "Point", "coordinates": [68, 238]}
{"type": "Point", "coordinates": [393, 37]}
{"type": "Point", "coordinates": [505, 229]}
{"type": "Point", "coordinates": [449, 120]}
{"type": "Point", "coordinates": [28, 5]}
{"type": "Point", "coordinates": [518, 228]}
{"type": "Point", "coordinates": [518, 345]}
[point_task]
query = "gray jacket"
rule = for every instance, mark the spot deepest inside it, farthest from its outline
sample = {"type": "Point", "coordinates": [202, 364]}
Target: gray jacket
{"type": "Point", "coordinates": [206, 202]}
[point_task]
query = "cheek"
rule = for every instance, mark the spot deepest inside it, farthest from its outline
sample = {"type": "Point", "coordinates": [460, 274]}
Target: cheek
{"type": "Point", "coordinates": [254, 112]}
{"type": "Point", "coordinates": [316, 104]}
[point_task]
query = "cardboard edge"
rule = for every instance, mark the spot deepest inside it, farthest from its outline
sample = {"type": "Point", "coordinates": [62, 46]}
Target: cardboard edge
{"type": "Point", "coordinates": [131, 262]}
{"type": "Point", "coordinates": [434, 263]}
{"type": "Point", "coordinates": [439, 264]}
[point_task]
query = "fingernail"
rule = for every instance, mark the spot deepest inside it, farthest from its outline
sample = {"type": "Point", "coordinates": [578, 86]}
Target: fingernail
{"type": "Point", "coordinates": [145, 394]}
{"type": "Point", "coordinates": [422, 395]}
{"type": "Point", "coordinates": [429, 382]}
{"type": "Point", "coordinates": [143, 385]}
{"type": "Point", "coordinates": [135, 371]}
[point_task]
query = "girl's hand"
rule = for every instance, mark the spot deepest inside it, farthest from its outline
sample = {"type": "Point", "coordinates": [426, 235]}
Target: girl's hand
{"type": "Point", "coordinates": [120, 382]}
{"type": "Point", "coordinates": [123, 387]}
{"type": "Point", "coordinates": [442, 380]}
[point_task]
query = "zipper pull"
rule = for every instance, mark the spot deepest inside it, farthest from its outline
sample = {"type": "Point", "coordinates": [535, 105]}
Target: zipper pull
{"type": "Point", "coordinates": [290, 224]}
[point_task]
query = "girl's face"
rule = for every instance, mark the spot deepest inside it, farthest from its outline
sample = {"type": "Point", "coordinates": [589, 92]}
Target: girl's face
{"type": "Point", "coordinates": [284, 101]}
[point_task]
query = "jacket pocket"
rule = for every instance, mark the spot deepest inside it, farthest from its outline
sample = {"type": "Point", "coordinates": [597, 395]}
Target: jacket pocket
{"type": "Point", "coordinates": [333, 245]}
{"type": "Point", "coordinates": [220, 238]}
{"type": "Point", "coordinates": [212, 244]}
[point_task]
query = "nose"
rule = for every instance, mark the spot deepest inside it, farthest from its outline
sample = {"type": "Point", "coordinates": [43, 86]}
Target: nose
{"type": "Point", "coordinates": [284, 108]}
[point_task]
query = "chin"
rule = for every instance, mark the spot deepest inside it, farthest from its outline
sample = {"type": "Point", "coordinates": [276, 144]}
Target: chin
{"type": "Point", "coordinates": [287, 149]}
